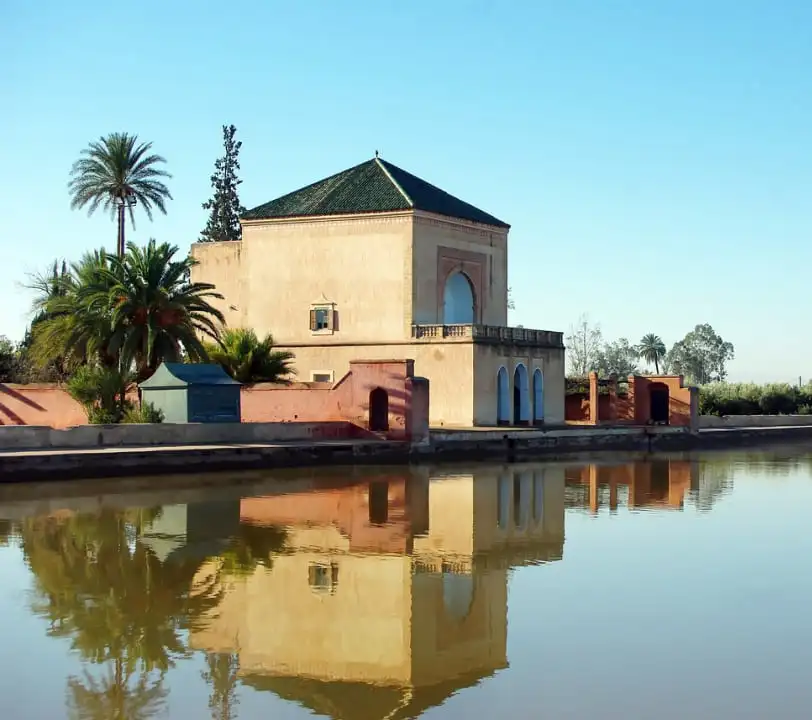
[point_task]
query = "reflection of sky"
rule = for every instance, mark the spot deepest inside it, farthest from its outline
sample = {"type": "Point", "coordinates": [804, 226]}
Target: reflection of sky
{"type": "Point", "coordinates": [651, 614]}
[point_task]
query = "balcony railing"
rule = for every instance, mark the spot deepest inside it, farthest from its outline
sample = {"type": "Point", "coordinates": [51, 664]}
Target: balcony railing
{"type": "Point", "coordinates": [490, 333]}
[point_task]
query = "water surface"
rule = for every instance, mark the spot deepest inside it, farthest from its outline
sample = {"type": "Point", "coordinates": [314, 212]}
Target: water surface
{"type": "Point", "coordinates": [675, 588]}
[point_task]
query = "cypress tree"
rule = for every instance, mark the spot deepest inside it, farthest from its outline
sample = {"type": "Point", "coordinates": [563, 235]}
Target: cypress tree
{"type": "Point", "coordinates": [224, 206]}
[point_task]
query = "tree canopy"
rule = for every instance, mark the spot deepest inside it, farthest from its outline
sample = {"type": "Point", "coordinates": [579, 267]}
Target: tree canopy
{"type": "Point", "coordinates": [224, 206]}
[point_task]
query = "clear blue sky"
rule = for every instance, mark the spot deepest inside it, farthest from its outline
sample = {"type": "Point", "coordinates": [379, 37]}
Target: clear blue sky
{"type": "Point", "coordinates": [654, 159]}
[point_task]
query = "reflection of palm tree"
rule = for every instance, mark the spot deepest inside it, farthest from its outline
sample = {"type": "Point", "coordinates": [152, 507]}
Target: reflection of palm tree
{"type": "Point", "coordinates": [98, 585]}
{"type": "Point", "coordinates": [222, 670]}
{"type": "Point", "coordinates": [113, 697]}
{"type": "Point", "coordinates": [253, 545]}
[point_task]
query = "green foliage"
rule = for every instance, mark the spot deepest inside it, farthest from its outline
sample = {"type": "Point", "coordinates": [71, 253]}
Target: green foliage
{"type": "Point", "coordinates": [224, 207]}
{"type": "Point", "coordinates": [101, 392]}
{"type": "Point", "coordinates": [617, 358]}
{"type": "Point", "coordinates": [132, 311]}
{"type": "Point", "coordinates": [250, 360]}
{"type": "Point", "coordinates": [143, 414]}
{"type": "Point", "coordinates": [751, 399]}
{"type": "Point", "coordinates": [118, 167]}
{"type": "Point", "coordinates": [8, 360]}
{"type": "Point", "coordinates": [701, 356]}
{"type": "Point", "coordinates": [652, 350]}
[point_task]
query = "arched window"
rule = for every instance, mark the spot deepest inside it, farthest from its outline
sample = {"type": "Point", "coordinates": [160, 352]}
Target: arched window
{"type": "Point", "coordinates": [502, 397]}
{"type": "Point", "coordinates": [538, 396]}
{"type": "Point", "coordinates": [459, 304]}
{"type": "Point", "coordinates": [521, 396]}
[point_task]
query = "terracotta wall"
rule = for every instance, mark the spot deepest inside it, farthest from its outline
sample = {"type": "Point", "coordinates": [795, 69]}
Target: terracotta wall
{"type": "Point", "coordinates": [44, 405]}
{"type": "Point", "coordinates": [347, 401]}
{"type": "Point", "coordinates": [634, 408]}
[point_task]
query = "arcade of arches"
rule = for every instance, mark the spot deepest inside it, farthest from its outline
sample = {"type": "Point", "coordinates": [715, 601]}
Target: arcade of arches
{"type": "Point", "coordinates": [520, 398]}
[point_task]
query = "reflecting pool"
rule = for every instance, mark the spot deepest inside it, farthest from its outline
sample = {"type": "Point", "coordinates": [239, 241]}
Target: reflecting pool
{"type": "Point", "coordinates": [678, 587]}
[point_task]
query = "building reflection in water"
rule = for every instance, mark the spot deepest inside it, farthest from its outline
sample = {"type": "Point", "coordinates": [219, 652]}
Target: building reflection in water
{"type": "Point", "coordinates": [387, 596]}
{"type": "Point", "coordinates": [657, 484]}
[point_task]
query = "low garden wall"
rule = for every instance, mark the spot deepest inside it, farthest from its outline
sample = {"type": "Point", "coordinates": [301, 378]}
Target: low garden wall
{"type": "Point", "coordinates": [22, 437]}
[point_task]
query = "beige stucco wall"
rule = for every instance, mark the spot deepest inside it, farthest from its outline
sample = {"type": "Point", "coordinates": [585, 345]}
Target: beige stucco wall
{"type": "Point", "coordinates": [220, 263]}
{"type": "Point", "coordinates": [487, 361]}
{"type": "Point", "coordinates": [362, 264]}
{"type": "Point", "coordinates": [448, 366]}
{"type": "Point", "coordinates": [432, 232]}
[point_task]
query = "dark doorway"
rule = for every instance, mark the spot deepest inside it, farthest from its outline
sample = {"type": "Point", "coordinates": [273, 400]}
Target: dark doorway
{"type": "Point", "coordinates": [658, 399]}
{"type": "Point", "coordinates": [379, 502]}
{"type": "Point", "coordinates": [378, 410]}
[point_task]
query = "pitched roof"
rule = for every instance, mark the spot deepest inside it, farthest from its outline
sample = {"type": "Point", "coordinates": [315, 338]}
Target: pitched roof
{"type": "Point", "coordinates": [371, 187]}
{"type": "Point", "coordinates": [171, 375]}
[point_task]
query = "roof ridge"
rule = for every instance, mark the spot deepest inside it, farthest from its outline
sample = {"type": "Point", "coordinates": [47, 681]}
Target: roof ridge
{"type": "Point", "coordinates": [383, 167]}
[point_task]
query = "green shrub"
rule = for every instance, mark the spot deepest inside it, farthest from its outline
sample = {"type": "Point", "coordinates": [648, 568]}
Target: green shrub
{"type": "Point", "coordinates": [101, 392]}
{"type": "Point", "coordinates": [752, 399]}
{"type": "Point", "coordinates": [144, 414]}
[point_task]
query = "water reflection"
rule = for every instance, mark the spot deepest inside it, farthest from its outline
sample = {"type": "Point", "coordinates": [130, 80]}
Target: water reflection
{"type": "Point", "coordinates": [375, 595]}
{"type": "Point", "coordinates": [387, 596]}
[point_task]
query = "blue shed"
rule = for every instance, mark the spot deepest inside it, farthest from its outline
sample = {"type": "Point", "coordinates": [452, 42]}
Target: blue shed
{"type": "Point", "coordinates": [193, 393]}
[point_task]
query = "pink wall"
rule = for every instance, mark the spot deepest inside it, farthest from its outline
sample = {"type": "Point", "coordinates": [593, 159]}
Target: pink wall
{"type": "Point", "coordinates": [343, 407]}
{"type": "Point", "coordinates": [348, 399]}
{"type": "Point", "coordinates": [44, 405]}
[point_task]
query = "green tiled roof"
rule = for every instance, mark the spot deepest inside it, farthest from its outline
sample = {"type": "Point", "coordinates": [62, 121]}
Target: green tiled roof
{"type": "Point", "coordinates": [371, 187]}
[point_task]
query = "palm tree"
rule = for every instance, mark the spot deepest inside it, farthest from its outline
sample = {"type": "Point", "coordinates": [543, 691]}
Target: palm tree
{"type": "Point", "coordinates": [137, 310]}
{"type": "Point", "coordinates": [250, 360]}
{"type": "Point", "coordinates": [156, 313]}
{"type": "Point", "coordinates": [65, 329]}
{"type": "Point", "coordinates": [652, 350]}
{"type": "Point", "coordinates": [116, 172]}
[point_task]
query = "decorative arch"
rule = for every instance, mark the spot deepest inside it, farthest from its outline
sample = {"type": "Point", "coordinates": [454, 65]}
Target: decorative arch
{"type": "Point", "coordinates": [459, 300]}
{"type": "Point", "coordinates": [538, 396]}
{"type": "Point", "coordinates": [521, 396]}
{"type": "Point", "coordinates": [502, 397]}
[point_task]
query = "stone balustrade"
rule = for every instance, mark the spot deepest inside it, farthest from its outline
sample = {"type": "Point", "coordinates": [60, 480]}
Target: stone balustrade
{"type": "Point", "coordinates": [489, 333]}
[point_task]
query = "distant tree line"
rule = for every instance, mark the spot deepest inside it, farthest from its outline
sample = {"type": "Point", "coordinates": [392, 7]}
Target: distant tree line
{"type": "Point", "coordinates": [701, 356]}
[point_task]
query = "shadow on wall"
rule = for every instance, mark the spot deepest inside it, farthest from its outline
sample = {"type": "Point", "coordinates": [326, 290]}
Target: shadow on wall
{"type": "Point", "coordinates": [379, 398]}
{"type": "Point", "coordinates": [39, 405]}
{"type": "Point", "coordinates": [648, 400]}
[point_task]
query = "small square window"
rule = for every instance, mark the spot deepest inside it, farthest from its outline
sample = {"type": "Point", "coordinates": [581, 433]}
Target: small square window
{"type": "Point", "coordinates": [322, 319]}
{"type": "Point", "coordinates": [325, 377]}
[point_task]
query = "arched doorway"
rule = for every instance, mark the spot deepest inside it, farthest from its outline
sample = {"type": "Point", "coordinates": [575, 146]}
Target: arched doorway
{"type": "Point", "coordinates": [378, 410]}
{"type": "Point", "coordinates": [658, 403]}
{"type": "Point", "coordinates": [459, 303]}
{"type": "Point", "coordinates": [521, 396]}
{"type": "Point", "coordinates": [538, 396]}
{"type": "Point", "coordinates": [502, 398]}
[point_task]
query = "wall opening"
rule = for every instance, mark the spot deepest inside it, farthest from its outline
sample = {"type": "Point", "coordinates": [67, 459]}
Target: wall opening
{"type": "Point", "coordinates": [502, 398]}
{"type": "Point", "coordinates": [658, 403]}
{"type": "Point", "coordinates": [378, 502]}
{"type": "Point", "coordinates": [459, 303]}
{"type": "Point", "coordinates": [538, 396]}
{"type": "Point", "coordinates": [521, 396]}
{"type": "Point", "coordinates": [378, 410]}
